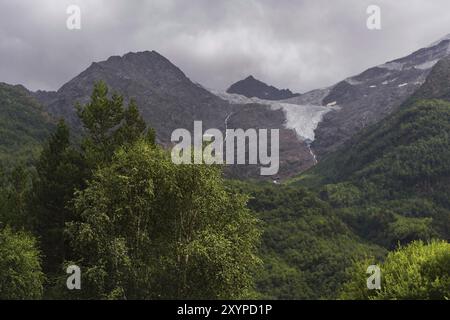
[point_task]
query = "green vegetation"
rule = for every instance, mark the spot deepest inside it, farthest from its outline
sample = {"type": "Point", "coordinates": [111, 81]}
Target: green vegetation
{"type": "Point", "coordinates": [61, 170]}
{"type": "Point", "coordinates": [23, 126]}
{"type": "Point", "coordinates": [21, 276]}
{"type": "Point", "coordinates": [172, 232]}
{"type": "Point", "coordinates": [141, 227]}
{"type": "Point", "coordinates": [14, 195]}
{"type": "Point", "coordinates": [392, 186]}
{"type": "Point", "coordinates": [417, 271]}
{"type": "Point", "coordinates": [305, 246]}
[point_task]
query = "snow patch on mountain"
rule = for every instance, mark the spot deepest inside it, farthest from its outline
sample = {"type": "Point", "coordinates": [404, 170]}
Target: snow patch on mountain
{"type": "Point", "coordinates": [303, 118]}
{"type": "Point", "coordinates": [426, 65]}
{"type": "Point", "coordinates": [353, 82]}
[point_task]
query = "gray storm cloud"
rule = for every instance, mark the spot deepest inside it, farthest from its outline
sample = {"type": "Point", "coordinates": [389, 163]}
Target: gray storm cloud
{"type": "Point", "coordinates": [301, 45]}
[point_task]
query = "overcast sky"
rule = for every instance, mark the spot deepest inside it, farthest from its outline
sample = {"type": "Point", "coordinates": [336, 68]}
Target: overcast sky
{"type": "Point", "coordinates": [296, 44]}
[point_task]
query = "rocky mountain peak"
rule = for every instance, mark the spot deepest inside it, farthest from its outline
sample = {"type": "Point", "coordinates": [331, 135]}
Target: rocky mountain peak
{"type": "Point", "coordinates": [251, 87]}
{"type": "Point", "coordinates": [167, 98]}
{"type": "Point", "coordinates": [370, 96]}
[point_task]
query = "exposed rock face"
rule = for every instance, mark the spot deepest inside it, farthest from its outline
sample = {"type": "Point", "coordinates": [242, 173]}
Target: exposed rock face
{"type": "Point", "coordinates": [437, 85]}
{"type": "Point", "coordinates": [253, 88]}
{"type": "Point", "coordinates": [294, 154]}
{"type": "Point", "coordinates": [370, 96]}
{"type": "Point", "coordinates": [296, 124]}
{"type": "Point", "coordinates": [314, 123]}
{"type": "Point", "coordinates": [169, 100]}
{"type": "Point", "coordinates": [166, 97]}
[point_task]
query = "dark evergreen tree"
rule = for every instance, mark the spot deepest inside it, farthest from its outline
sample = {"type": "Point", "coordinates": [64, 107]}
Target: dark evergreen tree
{"type": "Point", "coordinates": [132, 128]}
{"type": "Point", "coordinates": [109, 125]}
{"type": "Point", "coordinates": [13, 199]}
{"type": "Point", "coordinates": [60, 171]}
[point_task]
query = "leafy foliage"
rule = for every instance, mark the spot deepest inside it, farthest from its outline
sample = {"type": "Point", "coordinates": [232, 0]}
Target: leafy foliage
{"type": "Point", "coordinates": [23, 126]}
{"type": "Point", "coordinates": [391, 185]}
{"type": "Point", "coordinates": [21, 276]}
{"type": "Point", "coordinates": [61, 170]}
{"type": "Point", "coordinates": [417, 271]}
{"type": "Point", "coordinates": [108, 125]}
{"type": "Point", "coordinates": [143, 228]}
{"type": "Point", "coordinates": [14, 195]}
{"type": "Point", "coordinates": [305, 246]}
{"type": "Point", "coordinates": [172, 232]}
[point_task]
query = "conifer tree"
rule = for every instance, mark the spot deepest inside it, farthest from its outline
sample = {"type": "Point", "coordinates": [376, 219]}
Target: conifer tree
{"type": "Point", "coordinates": [60, 171]}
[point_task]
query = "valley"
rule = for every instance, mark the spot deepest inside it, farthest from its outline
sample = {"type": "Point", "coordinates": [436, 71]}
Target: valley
{"type": "Point", "coordinates": [363, 178]}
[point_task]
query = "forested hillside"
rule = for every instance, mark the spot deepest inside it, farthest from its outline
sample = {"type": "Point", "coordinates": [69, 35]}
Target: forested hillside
{"type": "Point", "coordinates": [392, 182]}
{"type": "Point", "coordinates": [23, 125]}
{"type": "Point", "coordinates": [390, 186]}
{"type": "Point", "coordinates": [305, 246]}
{"type": "Point", "coordinates": [138, 225]}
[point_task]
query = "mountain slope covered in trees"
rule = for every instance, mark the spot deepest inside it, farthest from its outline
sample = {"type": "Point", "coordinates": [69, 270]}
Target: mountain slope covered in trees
{"type": "Point", "coordinates": [387, 187]}
{"type": "Point", "coordinates": [391, 183]}
{"type": "Point", "coordinates": [24, 126]}
{"type": "Point", "coordinates": [305, 246]}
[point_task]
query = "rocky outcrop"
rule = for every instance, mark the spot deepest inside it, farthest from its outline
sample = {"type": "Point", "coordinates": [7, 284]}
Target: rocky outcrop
{"type": "Point", "coordinates": [253, 88]}
{"type": "Point", "coordinates": [367, 98]}
{"type": "Point", "coordinates": [166, 97]}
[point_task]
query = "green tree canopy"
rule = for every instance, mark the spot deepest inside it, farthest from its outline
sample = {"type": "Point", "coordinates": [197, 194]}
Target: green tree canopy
{"type": "Point", "coordinates": [153, 229]}
{"type": "Point", "coordinates": [14, 194]}
{"type": "Point", "coordinates": [60, 171]}
{"type": "Point", "coordinates": [21, 276]}
{"type": "Point", "coordinates": [109, 125]}
{"type": "Point", "coordinates": [417, 271]}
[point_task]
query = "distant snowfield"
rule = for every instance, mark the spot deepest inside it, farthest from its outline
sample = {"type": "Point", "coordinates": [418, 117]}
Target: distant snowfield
{"type": "Point", "coordinates": [304, 119]}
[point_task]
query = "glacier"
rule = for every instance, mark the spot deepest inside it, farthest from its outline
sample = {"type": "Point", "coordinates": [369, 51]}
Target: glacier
{"type": "Point", "coordinates": [302, 118]}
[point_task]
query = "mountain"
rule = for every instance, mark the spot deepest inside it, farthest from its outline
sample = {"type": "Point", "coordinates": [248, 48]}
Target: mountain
{"type": "Point", "coordinates": [324, 119]}
{"type": "Point", "coordinates": [168, 100]}
{"type": "Point", "coordinates": [166, 97]}
{"type": "Point", "coordinates": [312, 125]}
{"type": "Point", "coordinates": [437, 85]}
{"type": "Point", "coordinates": [387, 186]}
{"type": "Point", "coordinates": [367, 98]}
{"type": "Point", "coordinates": [253, 88]}
{"type": "Point", "coordinates": [23, 125]}
{"type": "Point", "coordinates": [392, 180]}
